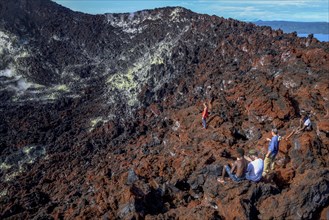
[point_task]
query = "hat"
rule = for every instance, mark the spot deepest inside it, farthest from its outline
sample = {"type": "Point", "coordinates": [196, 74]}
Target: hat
{"type": "Point", "coordinates": [253, 152]}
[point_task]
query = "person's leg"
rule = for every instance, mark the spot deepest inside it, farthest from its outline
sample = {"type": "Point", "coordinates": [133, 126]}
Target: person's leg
{"type": "Point", "coordinates": [298, 130]}
{"type": "Point", "coordinates": [267, 163]}
{"type": "Point", "coordinates": [223, 172]}
{"type": "Point", "coordinates": [293, 131]}
{"type": "Point", "coordinates": [229, 173]}
{"type": "Point", "coordinates": [226, 169]}
{"type": "Point", "coordinates": [272, 163]}
{"type": "Point", "coordinates": [301, 123]}
{"type": "Point", "coordinates": [238, 179]}
{"type": "Point", "coordinates": [204, 123]}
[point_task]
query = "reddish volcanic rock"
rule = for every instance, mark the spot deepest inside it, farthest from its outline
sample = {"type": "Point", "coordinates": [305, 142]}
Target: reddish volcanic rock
{"type": "Point", "coordinates": [323, 126]}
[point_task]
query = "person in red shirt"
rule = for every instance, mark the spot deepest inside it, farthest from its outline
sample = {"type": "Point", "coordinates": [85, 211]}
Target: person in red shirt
{"type": "Point", "coordinates": [204, 115]}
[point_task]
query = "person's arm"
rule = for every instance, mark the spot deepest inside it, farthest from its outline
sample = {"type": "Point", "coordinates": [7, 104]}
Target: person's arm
{"type": "Point", "coordinates": [247, 158]}
{"type": "Point", "coordinates": [270, 148]}
{"type": "Point", "coordinates": [249, 168]}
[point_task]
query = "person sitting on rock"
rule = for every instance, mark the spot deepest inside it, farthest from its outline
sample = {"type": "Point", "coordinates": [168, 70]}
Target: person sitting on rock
{"type": "Point", "coordinates": [239, 168]}
{"type": "Point", "coordinates": [273, 149]}
{"type": "Point", "coordinates": [305, 124]}
{"type": "Point", "coordinates": [255, 167]}
{"type": "Point", "coordinates": [204, 115]}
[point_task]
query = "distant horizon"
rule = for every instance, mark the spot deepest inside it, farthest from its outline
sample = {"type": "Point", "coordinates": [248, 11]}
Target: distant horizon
{"type": "Point", "coordinates": [249, 11]}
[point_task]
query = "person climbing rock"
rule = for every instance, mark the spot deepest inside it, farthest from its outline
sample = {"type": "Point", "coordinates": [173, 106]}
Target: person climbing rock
{"type": "Point", "coordinates": [273, 149]}
{"type": "Point", "coordinates": [255, 167]}
{"type": "Point", "coordinates": [204, 115]}
{"type": "Point", "coordinates": [305, 124]}
{"type": "Point", "coordinates": [239, 168]}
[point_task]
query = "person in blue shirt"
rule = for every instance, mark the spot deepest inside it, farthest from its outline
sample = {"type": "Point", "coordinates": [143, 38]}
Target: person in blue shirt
{"type": "Point", "coordinates": [273, 149]}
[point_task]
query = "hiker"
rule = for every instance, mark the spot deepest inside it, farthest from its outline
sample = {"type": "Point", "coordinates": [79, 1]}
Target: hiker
{"type": "Point", "coordinates": [204, 115]}
{"type": "Point", "coordinates": [255, 167]}
{"type": "Point", "coordinates": [305, 124]}
{"type": "Point", "coordinates": [273, 149]}
{"type": "Point", "coordinates": [239, 168]}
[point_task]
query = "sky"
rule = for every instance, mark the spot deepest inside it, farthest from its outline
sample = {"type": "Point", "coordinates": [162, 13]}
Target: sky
{"type": "Point", "coordinates": [244, 10]}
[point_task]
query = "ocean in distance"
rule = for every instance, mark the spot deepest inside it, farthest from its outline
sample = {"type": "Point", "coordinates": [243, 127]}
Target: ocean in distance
{"type": "Point", "coordinates": [320, 37]}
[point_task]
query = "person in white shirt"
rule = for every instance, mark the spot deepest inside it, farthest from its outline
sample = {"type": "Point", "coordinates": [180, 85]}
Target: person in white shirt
{"type": "Point", "coordinates": [305, 124]}
{"type": "Point", "coordinates": [255, 167]}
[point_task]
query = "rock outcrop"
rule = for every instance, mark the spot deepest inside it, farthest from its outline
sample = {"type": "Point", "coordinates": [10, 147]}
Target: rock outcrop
{"type": "Point", "coordinates": [100, 115]}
